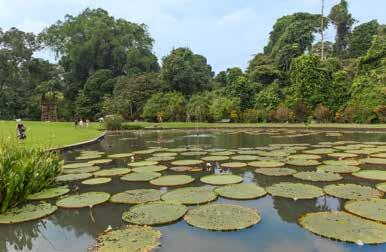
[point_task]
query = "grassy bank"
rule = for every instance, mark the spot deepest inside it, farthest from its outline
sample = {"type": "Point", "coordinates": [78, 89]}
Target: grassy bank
{"type": "Point", "coordinates": [50, 134]}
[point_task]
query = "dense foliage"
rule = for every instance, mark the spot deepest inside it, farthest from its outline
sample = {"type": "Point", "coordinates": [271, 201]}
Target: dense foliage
{"type": "Point", "coordinates": [106, 67]}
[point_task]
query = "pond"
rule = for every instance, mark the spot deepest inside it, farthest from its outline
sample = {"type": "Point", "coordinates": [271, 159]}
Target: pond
{"type": "Point", "coordinates": [76, 229]}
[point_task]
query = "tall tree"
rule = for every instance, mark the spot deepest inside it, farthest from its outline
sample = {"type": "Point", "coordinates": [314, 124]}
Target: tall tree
{"type": "Point", "coordinates": [362, 37]}
{"type": "Point", "coordinates": [261, 69]}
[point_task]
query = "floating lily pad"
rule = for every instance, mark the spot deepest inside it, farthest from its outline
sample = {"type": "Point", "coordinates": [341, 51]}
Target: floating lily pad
{"type": "Point", "coordinates": [371, 174]}
{"type": "Point", "coordinates": [379, 155]}
{"type": "Point", "coordinates": [179, 149]}
{"type": "Point", "coordinates": [266, 164]}
{"type": "Point", "coordinates": [342, 155]}
{"type": "Point", "coordinates": [244, 158]}
{"type": "Point", "coordinates": [190, 195]}
{"type": "Point", "coordinates": [130, 238]}
{"type": "Point", "coordinates": [76, 165]}
{"type": "Point", "coordinates": [100, 161]}
{"type": "Point", "coordinates": [373, 209]}
{"type": "Point", "coordinates": [165, 154]}
{"type": "Point", "coordinates": [187, 162]}
{"type": "Point", "coordinates": [234, 165]}
{"type": "Point", "coordinates": [89, 169]}
{"type": "Point", "coordinates": [88, 199]}
{"type": "Point", "coordinates": [159, 159]}
{"type": "Point", "coordinates": [111, 172]}
{"type": "Point", "coordinates": [181, 168]}
{"type": "Point", "coordinates": [341, 162]}
{"type": "Point", "coordinates": [137, 196]}
{"type": "Point", "coordinates": [344, 227]}
{"type": "Point", "coordinates": [215, 150]}
{"type": "Point", "coordinates": [380, 161]}
{"type": "Point", "coordinates": [172, 180]}
{"type": "Point", "coordinates": [27, 213]}
{"type": "Point", "coordinates": [249, 152]}
{"type": "Point", "coordinates": [337, 168]}
{"type": "Point", "coordinates": [221, 179]}
{"type": "Point", "coordinates": [295, 190]}
{"type": "Point", "coordinates": [222, 153]}
{"type": "Point", "coordinates": [305, 156]}
{"type": "Point", "coordinates": [88, 157]}
{"type": "Point", "coordinates": [381, 187]}
{"type": "Point", "coordinates": [221, 217]}
{"type": "Point", "coordinates": [73, 177]}
{"type": "Point", "coordinates": [154, 213]}
{"type": "Point", "coordinates": [150, 168]}
{"type": "Point", "coordinates": [318, 176]}
{"type": "Point", "coordinates": [142, 163]}
{"type": "Point", "coordinates": [215, 158]}
{"type": "Point", "coordinates": [320, 151]}
{"type": "Point", "coordinates": [241, 191]}
{"type": "Point", "coordinates": [194, 153]}
{"type": "Point", "coordinates": [144, 152]}
{"type": "Point", "coordinates": [49, 193]}
{"type": "Point", "coordinates": [96, 181]}
{"type": "Point", "coordinates": [141, 176]}
{"type": "Point", "coordinates": [277, 153]}
{"type": "Point", "coordinates": [303, 162]}
{"type": "Point", "coordinates": [275, 171]}
{"type": "Point", "coordinates": [120, 155]}
{"type": "Point", "coordinates": [352, 191]}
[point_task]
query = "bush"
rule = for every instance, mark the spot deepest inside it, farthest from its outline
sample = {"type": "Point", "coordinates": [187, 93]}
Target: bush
{"type": "Point", "coordinates": [282, 113]}
{"type": "Point", "coordinates": [165, 107]}
{"type": "Point", "coordinates": [381, 113]}
{"type": "Point", "coordinates": [24, 171]}
{"type": "Point", "coordinates": [301, 111]}
{"type": "Point", "coordinates": [322, 113]}
{"type": "Point", "coordinates": [127, 126]}
{"type": "Point", "coordinates": [250, 116]}
{"type": "Point", "coordinates": [114, 122]}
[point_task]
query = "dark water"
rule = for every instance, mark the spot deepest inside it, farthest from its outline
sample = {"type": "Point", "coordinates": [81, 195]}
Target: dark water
{"type": "Point", "coordinates": [74, 230]}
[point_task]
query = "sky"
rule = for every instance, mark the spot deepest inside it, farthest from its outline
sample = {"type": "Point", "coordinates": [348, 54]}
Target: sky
{"type": "Point", "coordinates": [227, 32]}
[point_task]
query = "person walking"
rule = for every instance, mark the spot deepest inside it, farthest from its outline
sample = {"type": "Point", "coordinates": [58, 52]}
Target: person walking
{"type": "Point", "coordinates": [20, 130]}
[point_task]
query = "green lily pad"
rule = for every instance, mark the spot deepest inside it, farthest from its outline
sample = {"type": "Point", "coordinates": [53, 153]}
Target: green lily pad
{"type": "Point", "coordinates": [150, 168]}
{"type": "Point", "coordinates": [249, 152]}
{"type": "Point", "coordinates": [27, 213]}
{"type": "Point", "coordinates": [305, 156]}
{"type": "Point", "coordinates": [378, 161]}
{"type": "Point", "coordinates": [234, 165]}
{"type": "Point", "coordinates": [73, 177]}
{"type": "Point", "coordinates": [221, 179]}
{"type": "Point", "coordinates": [76, 165]}
{"type": "Point", "coordinates": [352, 191]}
{"type": "Point", "coordinates": [179, 149]}
{"type": "Point", "coordinates": [341, 162]}
{"type": "Point", "coordinates": [88, 157]}
{"type": "Point", "coordinates": [371, 174]}
{"type": "Point", "coordinates": [194, 153]}
{"type": "Point", "coordinates": [344, 227]}
{"type": "Point", "coordinates": [337, 168]}
{"type": "Point", "coordinates": [221, 217]}
{"type": "Point", "coordinates": [88, 199]}
{"type": "Point", "coordinates": [100, 161]}
{"type": "Point", "coordinates": [165, 154]}
{"type": "Point", "coordinates": [111, 172]}
{"type": "Point", "coordinates": [187, 162]}
{"type": "Point", "coordinates": [275, 171]}
{"type": "Point", "coordinates": [320, 151]}
{"type": "Point", "coordinates": [96, 181]}
{"type": "Point", "coordinates": [215, 158]}
{"type": "Point", "coordinates": [120, 155]}
{"type": "Point", "coordinates": [318, 176]}
{"type": "Point", "coordinates": [379, 155]}
{"type": "Point", "coordinates": [89, 169]}
{"type": "Point", "coordinates": [276, 153]}
{"type": "Point", "coordinates": [244, 158]}
{"type": "Point", "coordinates": [266, 164]}
{"type": "Point", "coordinates": [181, 168]}
{"type": "Point", "coordinates": [142, 163]}
{"type": "Point", "coordinates": [160, 159]}
{"type": "Point", "coordinates": [154, 213]}
{"type": "Point", "coordinates": [190, 195]}
{"type": "Point", "coordinates": [373, 209]}
{"type": "Point", "coordinates": [303, 162]}
{"type": "Point", "coordinates": [381, 187]}
{"type": "Point", "coordinates": [241, 191]}
{"type": "Point", "coordinates": [140, 152]}
{"type": "Point", "coordinates": [49, 193]}
{"type": "Point", "coordinates": [222, 153]}
{"type": "Point", "coordinates": [172, 180]}
{"type": "Point", "coordinates": [342, 155]}
{"type": "Point", "coordinates": [137, 196]}
{"type": "Point", "coordinates": [141, 176]}
{"type": "Point", "coordinates": [130, 238]}
{"type": "Point", "coordinates": [295, 191]}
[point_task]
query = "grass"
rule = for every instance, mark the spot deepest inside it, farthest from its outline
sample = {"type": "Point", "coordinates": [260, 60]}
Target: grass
{"type": "Point", "coordinates": [50, 134]}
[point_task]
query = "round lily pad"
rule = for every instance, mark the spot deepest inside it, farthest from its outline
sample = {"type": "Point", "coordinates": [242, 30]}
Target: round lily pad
{"type": "Point", "coordinates": [344, 227]}
{"type": "Point", "coordinates": [215, 158]}
{"type": "Point", "coordinates": [165, 154]}
{"type": "Point", "coordinates": [159, 159]}
{"type": "Point", "coordinates": [276, 153]}
{"type": "Point", "coordinates": [341, 162]}
{"type": "Point", "coordinates": [190, 195]}
{"type": "Point", "coordinates": [379, 155]}
{"type": "Point", "coordinates": [221, 179]}
{"type": "Point", "coordinates": [142, 163]}
{"type": "Point", "coordinates": [100, 161]}
{"type": "Point", "coordinates": [137, 196]}
{"type": "Point", "coordinates": [244, 158]}
{"type": "Point", "coordinates": [49, 193]}
{"type": "Point", "coordinates": [76, 165]}
{"type": "Point", "coordinates": [222, 153]}
{"type": "Point", "coordinates": [154, 213]}
{"type": "Point", "coordinates": [89, 169]}
{"type": "Point", "coordinates": [241, 191]}
{"type": "Point", "coordinates": [303, 162]}
{"type": "Point", "coordinates": [172, 180]}
{"type": "Point", "coordinates": [371, 174]}
{"type": "Point", "coordinates": [337, 168]}
{"type": "Point", "coordinates": [266, 164]}
{"type": "Point", "coordinates": [295, 190]}
{"type": "Point", "coordinates": [380, 161]}
{"type": "Point", "coordinates": [352, 191]}
{"type": "Point", "coordinates": [96, 181]}
{"type": "Point", "coordinates": [221, 217]}
{"type": "Point", "coordinates": [73, 177]}
{"type": "Point", "coordinates": [88, 199]}
{"type": "Point", "coordinates": [342, 155]}
{"type": "Point", "coordinates": [194, 153]}
{"type": "Point", "coordinates": [88, 157]}
{"type": "Point", "coordinates": [320, 151]}
{"type": "Point", "coordinates": [120, 155]}
{"type": "Point", "coordinates": [318, 176]}
{"type": "Point", "coordinates": [111, 172]}
{"type": "Point", "coordinates": [130, 238]}
{"type": "Point", "coordinates": [181, 168]}
{"type": "Point", "coordinates": [373, 209]}
{"type": "Point", "coordinates": [150, 168]}
{"type": "Point", "coordinates": [305, 156]}
{"type": "Point", "coordinates": [141, 176]}
{"type": "Point", "coordinates": [275, 171]}
{"type": "Point", "coordinates": [27, 213]}
{"type": "Point", "coordinates": [187, 162]}
{"type": "Point", "coordinates": [234, 165]}
{"type": "Point", "coordinates": [382, 187]}
{"type": "Point", "coordinates": [150, 151]}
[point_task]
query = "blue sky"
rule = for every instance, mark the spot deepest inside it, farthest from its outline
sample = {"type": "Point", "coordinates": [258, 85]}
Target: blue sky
{"type": "Point", "coordinates": [227, 32]}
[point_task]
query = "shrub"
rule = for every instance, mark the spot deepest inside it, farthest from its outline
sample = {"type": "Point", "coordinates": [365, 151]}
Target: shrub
{"type": "Point", "coordinates": [166, 106]}
{"type": "Point", "coordinates": [114, 122]}
{"type": "Point", "coordinates": [250, 116]}
{"type": "Point", "coordinates": [322, 113]}
{"type": "Point", "coordinates": [282, 113]}
{"type": "Point", "coordinates": [381, 113]}
{"type": "Point", "coordinates": [24, 171]}
{"type": "Point", "coordinates": [222, 107]}
{"type": "Point", "coordinates": [301, 111]}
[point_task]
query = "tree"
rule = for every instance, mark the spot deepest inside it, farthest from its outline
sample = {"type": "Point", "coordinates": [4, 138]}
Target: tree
{"type": "Point", "coordinates": [328, 49]}
{"type": "Point", "coordinates": [199, 105]}
{"type": "Point", "coordinates": [242, 89]}
{"type": "Point", "coordinates": [269, 98]}
{"type": "Point", "coordinates": [222, 108]}
{"type": "Point", "coordinates": [362, 37]}
{"type": "Point", "coordinates": [261, 69]}
{"type": "Point", "coordinates": [165, 106]}
{"type": "Point", "coordinates": [343, 22]}
{"type": "Point", "coordinates": [185, 71]}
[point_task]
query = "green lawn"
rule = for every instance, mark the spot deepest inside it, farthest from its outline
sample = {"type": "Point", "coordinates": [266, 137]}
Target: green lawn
{"type": "Point", "coordinates": [51, 134]}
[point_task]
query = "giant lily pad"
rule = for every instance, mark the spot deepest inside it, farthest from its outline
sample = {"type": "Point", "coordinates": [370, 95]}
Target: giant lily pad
{"type": "Point", "coordinates": [49, 193]}
{"type": "Point", "coordinates": [221, 179]}
{"type": "Point", "coordinates": [187, 162]}
{"type": "Point", "coordinates": [141, 176]}
{"type": "Point", "coordinates": [190, 195]}
{"type": "Point", "coordinates": [221, 217]}
{"type": "Point", "coordinates": [120, 155]}
{"type": "Point", "coordinates": [150, 168]}
{"type": "Point", "coordinates": [318, 176]}
{"type": "Point", "coordinates": [27, 213]}
{"type": "Point", "coordinates": [88, 157]}
{"type": "Point", "coordinates": [305, 156]}
{"type": "Point", "coordinates": [96, 181]}
{"type": "Point", "coordinates": [89, 169]}
{"type": "Point", "coordinates": [165, 154]}
{"type": "Point", "coordinates": [320, 151]}
{"type": "Point", "coordinates": [111, 172]}
{"type": "Point", "coordinates": [159, 159]}
{"type": "Point", "coordinates": [275, 171]}
{"type": "Point", "coordinates": [344, 227]}
{"type": "Point", "coordinates": [234, 165]}
{"type": "Point", "coordinates": [381, 187]}
{"type": "Point", "coordinates": [379, 155]}
{"type": "Point", "coordinates": [181, 168]}
{"type": "Point", "coordinates": [215, 158]}
{"type": "Point", "coordinates": [140, 152]}
{"type": "Point", "coordinates": [88, 199]}
{"type": "Point", "coordinates": [371, 174]}
{"type": "Point", "coordinates": [380, 161]}
{"type": "Point", "coordinates": [172, 180]}
{"type": "Point", "coordinates": [337, 168]}
{"type": "Point", "coordinates": [241, 191]}
{"type": "Point", "coordinates": [276, 153]}
{"type": "Point", "coordinates": [266, 164]}
{"type": "Point", "coordinates": [341, 162]}
{"type": "Point", "coordinates": [73, 177]}
{"type": "Point", "coordinates": [244, 158]}
{"type": "Point", "coordinates": [303, 162]}
{"type": "Point", "coordinates": [137, 196]}
{"type": "Point", "coordinates": [342, 155]}
{"type": "Point", "coordinates": [154, 213]}
{"type": "Point", "coordinates": [352, 191]}
{"type": "Point", "coordinates": [194, 153]}
{"type": "Point", "coordinates": [76, 165]}
{"type": "Point", "coordinates": [100, 161]}
{"type": "Point", "coordinates": [142, 163]}
{"type": "Point", "coordinates": [295, 190]}
{"type": "Point", "coordinates": [130, 238]}
{"type": "Point", "coordinates": [374, 209]}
